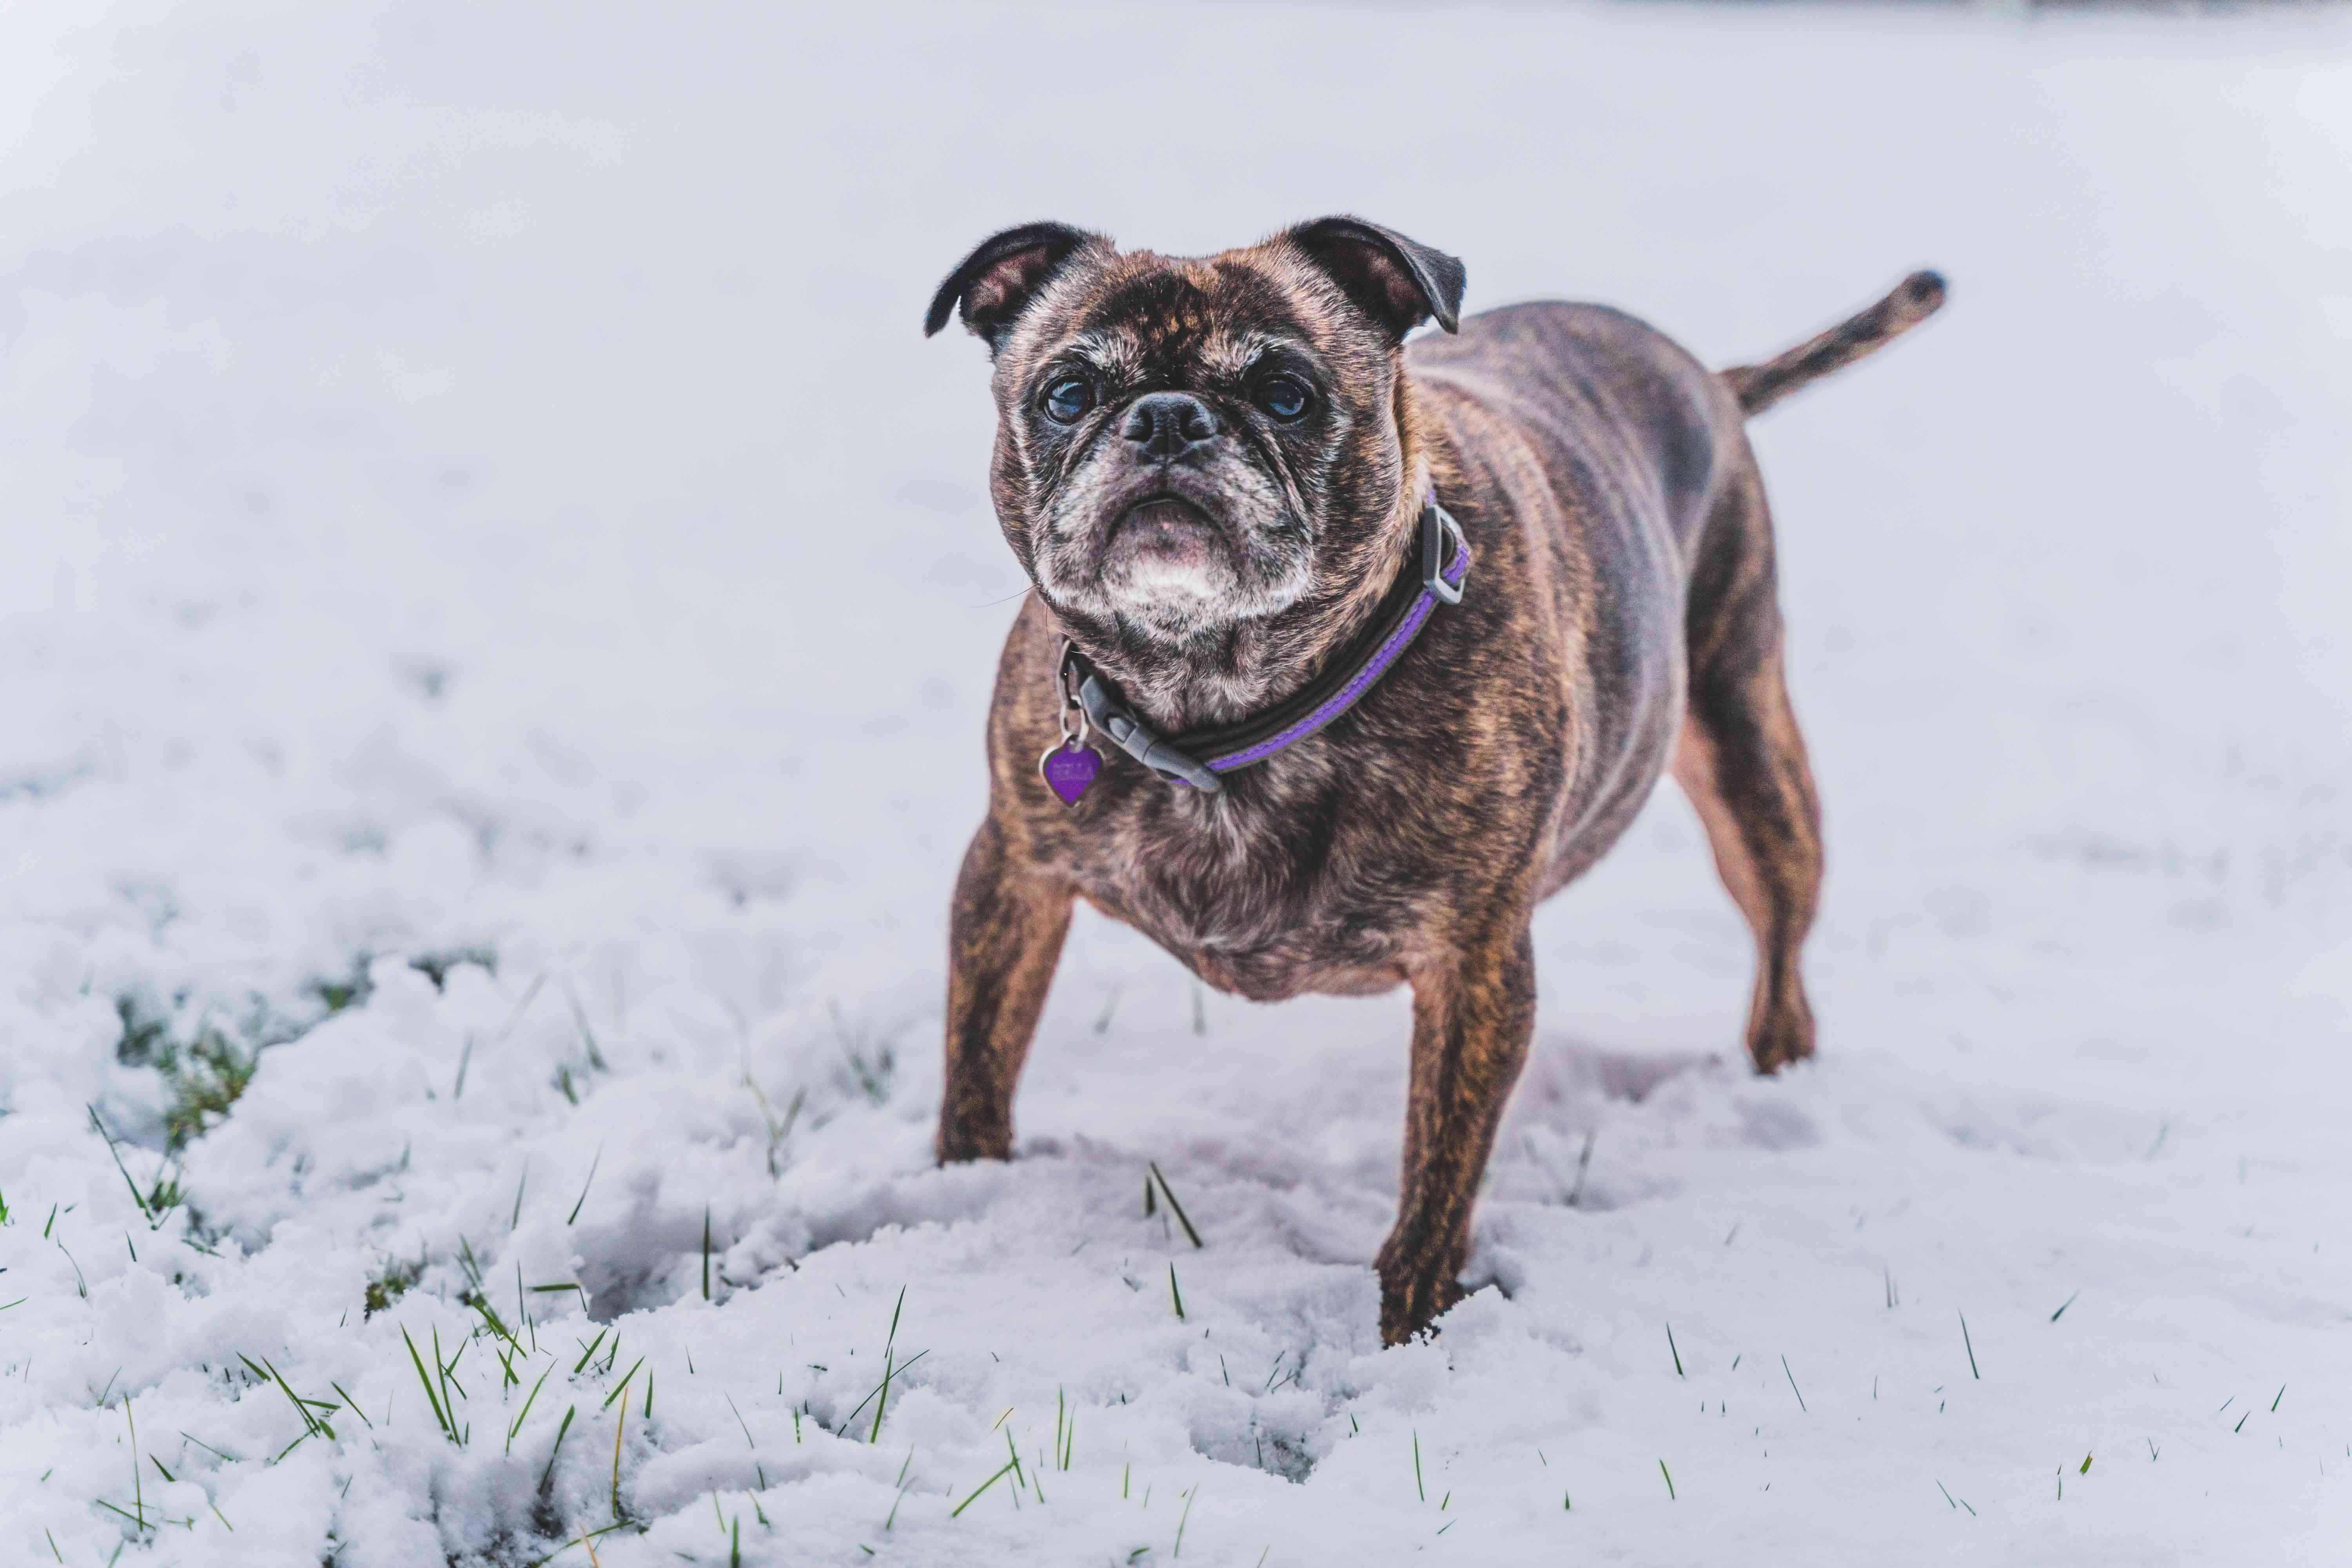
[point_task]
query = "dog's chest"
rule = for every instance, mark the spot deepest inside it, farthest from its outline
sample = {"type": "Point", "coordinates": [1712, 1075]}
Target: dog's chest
{"type": "Point", "coordinates": [1265, 897]}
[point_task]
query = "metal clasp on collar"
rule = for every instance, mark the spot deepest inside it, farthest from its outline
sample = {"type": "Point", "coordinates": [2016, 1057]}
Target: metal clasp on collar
{"type": "Point", "coordinates": [1437, 525]}
{"type": "Point", "coordinates": [1087, 693]}
{"type": "Point", "coordinates": [1139, 740]}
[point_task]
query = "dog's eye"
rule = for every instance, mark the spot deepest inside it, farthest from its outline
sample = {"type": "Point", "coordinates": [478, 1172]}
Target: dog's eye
{"type": "Point", "coordinates": [1284, 396]}
{"type": "Point", "coordinates": [1065, 400]}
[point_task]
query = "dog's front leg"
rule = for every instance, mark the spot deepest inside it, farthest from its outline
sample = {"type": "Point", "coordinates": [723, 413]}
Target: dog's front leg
{"type": "Point", "coordinates": [1474, 1008]}
{"type": "Point", "coordinates": [1003, 939]}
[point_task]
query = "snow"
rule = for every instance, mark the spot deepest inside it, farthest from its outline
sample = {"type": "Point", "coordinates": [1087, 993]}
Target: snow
{"type": "Point", "coordinates": [475, 491]}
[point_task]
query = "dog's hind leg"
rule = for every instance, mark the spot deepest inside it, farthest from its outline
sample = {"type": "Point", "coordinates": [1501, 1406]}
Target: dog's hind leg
{"type": "Point", "coordinates": [1741, 761]}
{"type": "Point", "coordinates": [1473, 1013]}
{"type": "Point", "coordinates": [1005, 937]}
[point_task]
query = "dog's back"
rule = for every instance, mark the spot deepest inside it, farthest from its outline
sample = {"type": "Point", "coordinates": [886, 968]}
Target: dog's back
{"type": "Point", "coordinates": [1615, 405]}
{"type": "Point", "coordinates": [1602, 386]}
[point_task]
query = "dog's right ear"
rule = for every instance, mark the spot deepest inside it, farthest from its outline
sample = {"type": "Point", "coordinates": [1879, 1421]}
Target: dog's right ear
{"type": "Point", "coordinates": [1399, 282]}
{"type": "Point", "coordinates": [995, 283]}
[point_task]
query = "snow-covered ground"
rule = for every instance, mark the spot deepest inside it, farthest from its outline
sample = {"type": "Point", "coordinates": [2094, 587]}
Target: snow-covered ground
{"type": "Point", "coordinates": [496, 603]}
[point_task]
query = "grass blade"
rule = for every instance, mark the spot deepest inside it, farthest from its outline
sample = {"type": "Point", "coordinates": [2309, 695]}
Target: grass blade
{"type": "Point", "coordinates": [1174, 1207]}
{"type": "Point", "coordinates": [417, 1361]}
{"type": "Point", "coordinates": [620, 1426]}
{"type": "Point", "coordinates": [592, 1163]}
{"type": "Point", "coordinates": [135, 1196]}
{"type": "Point", "coordinates": [882, 1403]}
{"type": "Point", "coordinates": [587, 1183]}
{"type": "Point", "coordinates": [984, 1487]}
{"type": "Point", "coordinates": [547, 1475]}
{"type": "Point", "coordinates": [624, 1384]}
{"type": "Point", "coordinates": [876, 1389]}
{"type": "Point", "coordinates": [444, 1368]}
{"type": "Point", "coordinates": [525, 1411]}
{"type": "Point", "coordinates": [353, 1403]}
{"type": "Point", "coordinates": [138, 1491]}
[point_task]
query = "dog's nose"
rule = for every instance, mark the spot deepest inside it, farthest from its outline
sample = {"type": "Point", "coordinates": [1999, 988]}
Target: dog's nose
{"type": "Point", "coordinates": [1165, 424]}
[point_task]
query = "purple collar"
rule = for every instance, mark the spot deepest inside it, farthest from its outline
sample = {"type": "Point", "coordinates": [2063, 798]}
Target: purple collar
{"type": "Point", "coordinates": [1196, 757]}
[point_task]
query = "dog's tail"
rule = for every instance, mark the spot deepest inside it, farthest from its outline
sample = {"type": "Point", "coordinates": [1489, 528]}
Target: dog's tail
{"type": "Point", "coordinates": [1758, 386]}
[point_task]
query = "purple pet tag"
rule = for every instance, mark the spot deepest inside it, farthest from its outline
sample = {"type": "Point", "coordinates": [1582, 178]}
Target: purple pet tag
{"type": "Point", "coordinates": [1068, 769]}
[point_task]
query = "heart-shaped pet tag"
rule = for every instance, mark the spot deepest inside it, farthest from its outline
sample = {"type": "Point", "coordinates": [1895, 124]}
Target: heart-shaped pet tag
{"type": "Point", "coordinates": [1068, 770]}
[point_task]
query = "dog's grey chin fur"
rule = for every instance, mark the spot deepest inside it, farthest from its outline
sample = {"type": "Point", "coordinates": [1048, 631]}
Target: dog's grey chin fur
{"type": "Point", "coordinates": [1265, 571]}
{"type": "Point", "coordinates": [1176, 605]}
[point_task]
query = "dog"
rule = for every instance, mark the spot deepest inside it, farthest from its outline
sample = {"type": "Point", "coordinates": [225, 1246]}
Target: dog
{"type": "Point", "coordinates": [1343, 653]}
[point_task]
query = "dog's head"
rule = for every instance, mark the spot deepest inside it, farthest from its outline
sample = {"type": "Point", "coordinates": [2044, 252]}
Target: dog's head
{"type": "Point", "coordinates": [1185, 443]}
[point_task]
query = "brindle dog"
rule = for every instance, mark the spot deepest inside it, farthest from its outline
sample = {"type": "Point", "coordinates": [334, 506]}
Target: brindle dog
{"type": "Point", "coordinates": [1212, 470]}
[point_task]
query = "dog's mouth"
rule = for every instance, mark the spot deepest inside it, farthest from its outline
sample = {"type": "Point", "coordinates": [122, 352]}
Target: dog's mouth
{"type": "Point", "coordinates": [1166, 531]}
{"type": "Point", "coordinates": [1170, 548]}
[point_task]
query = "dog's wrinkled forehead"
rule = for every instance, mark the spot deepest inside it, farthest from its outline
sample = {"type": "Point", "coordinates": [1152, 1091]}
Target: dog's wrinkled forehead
{"type": "Point", "coordinates": [1145, 318]}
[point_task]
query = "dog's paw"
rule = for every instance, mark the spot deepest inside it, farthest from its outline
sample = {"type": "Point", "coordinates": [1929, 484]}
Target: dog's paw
{"type": "Point", "coordinates": [1772, 1053]}
{"type": "Point", "coordinates": [961, 1141]}
{"type": "Point", "coordinates": [1780, 1033]}
{"type": "Point", "coordinates": [1410, 1304]}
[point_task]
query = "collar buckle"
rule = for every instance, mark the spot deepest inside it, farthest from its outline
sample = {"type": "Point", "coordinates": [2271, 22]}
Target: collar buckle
{"type": "Point", "coordinates": [1437, 526]}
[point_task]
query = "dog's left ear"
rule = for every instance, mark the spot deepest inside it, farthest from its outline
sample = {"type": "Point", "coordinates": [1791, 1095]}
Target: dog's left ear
{"type": "Point", "coordinates": [1400, 282]}
{"type": "Point", "coordinates": [998, 279]}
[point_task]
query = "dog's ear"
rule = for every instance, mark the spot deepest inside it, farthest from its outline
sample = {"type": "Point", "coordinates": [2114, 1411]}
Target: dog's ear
{"type": "Point", "coordinates": [997, 280]}
{"type": "Point", "coordinates": [1399, 282]}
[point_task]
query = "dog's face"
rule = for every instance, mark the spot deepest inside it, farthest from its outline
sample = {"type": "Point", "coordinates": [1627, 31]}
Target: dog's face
{"type": "Point", "coordinates": [1185, 443]}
